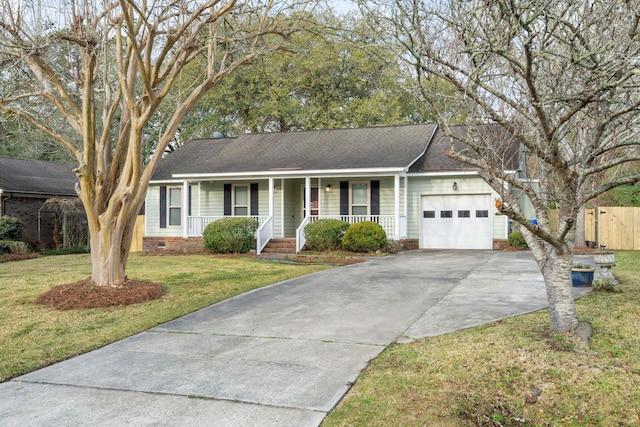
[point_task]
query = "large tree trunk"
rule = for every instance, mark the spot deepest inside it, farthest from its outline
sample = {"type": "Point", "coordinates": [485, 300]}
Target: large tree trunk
{"type": "Point", "coordinates": [110, 244]}
{"type": "Point", "coordinates": [556, 269]}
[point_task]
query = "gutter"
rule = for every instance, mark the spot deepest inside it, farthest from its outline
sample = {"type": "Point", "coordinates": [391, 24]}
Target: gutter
{"type": "Point", "coordinates": [324, 173]}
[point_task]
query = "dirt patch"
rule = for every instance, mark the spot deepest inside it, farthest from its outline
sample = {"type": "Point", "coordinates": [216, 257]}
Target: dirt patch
{"type": "Point", "coordinates": [85, 294]}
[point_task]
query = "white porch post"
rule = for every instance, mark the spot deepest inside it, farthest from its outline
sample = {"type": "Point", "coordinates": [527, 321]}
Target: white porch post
{"type": "Point", "coordinates": [307, 196]}
{"type": "Point", "coordinates": [185, 208]}
{"type": "Point", "coordinates": [282, 232]}
{"type": "Point", "coordinates": [199, 201]}
{"type": "Point", "coordinates": [396, 191]}
{"type": "Point", "coordinates": [320, 196]}
{"type": "Point", "coordinates": [406, 195]}
{"type": "Point", "coordinates": [271, 192]}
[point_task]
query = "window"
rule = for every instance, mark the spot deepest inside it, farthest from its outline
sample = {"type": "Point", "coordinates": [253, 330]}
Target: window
{"type": "Point", "coordinates": [175, 206]}
{"type": "Point", "coordinates": [482, 214]}
{"type": "Point", "coordinates": [429, 214]}
{"type": "Point", "coordinates": [464, 214]}
{"type": "Point", "coordinates": [241, 200]}
{"type": "Point", "coordinates": [446, 214]}
{"type": "Point", "coordinates": [359, 198]}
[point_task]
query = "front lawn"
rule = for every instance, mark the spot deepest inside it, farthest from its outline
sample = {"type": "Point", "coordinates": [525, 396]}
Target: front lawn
{"type": "Point", "coordinates": [34, 336]}
{"type": "Point", "coordinates": [512, 372]}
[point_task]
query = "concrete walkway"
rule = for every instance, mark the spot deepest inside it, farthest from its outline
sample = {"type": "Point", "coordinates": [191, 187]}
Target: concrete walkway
{"type": "Point", "coordinates": [283, 355]}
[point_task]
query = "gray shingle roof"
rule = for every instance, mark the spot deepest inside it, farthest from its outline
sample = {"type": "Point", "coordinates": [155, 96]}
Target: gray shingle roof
{"type": "Point", "coordinates": [363, 148]}
{"type": "Point", "coordinates": [36, 177]}
{"type": "Point", "coordinates": [436, 160]}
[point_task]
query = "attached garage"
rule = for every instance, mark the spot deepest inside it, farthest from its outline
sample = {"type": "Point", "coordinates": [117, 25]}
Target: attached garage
{"type": "Point", "coordinates": [456, 221]}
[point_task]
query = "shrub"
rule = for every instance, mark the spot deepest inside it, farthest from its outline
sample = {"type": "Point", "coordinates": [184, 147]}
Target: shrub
{"type": "Point", "coordinates": [5, 246]}
{"type": "Point", "coordinates": [364, 236]}
{"type": "Point", "coordinates": [325, 234]}
{"type": "Point", "coordinates": [516, 239]}
{"type": "Point", "coordinates": [230, 235]}
{"type": "Point", "coordinates": [11, 228]}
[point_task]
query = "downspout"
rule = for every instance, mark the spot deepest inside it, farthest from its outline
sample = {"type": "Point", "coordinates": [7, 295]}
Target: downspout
{"type": "Point", "coordinates": [3, 202]}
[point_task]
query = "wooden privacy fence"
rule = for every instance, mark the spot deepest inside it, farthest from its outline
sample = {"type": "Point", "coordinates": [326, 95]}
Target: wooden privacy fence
{"type": "Point", "coordinates": [138, 234]}
{"type": "Point", "coordinates": [618, 228]}
{"type": "Point", "coordinates": [610, 227]}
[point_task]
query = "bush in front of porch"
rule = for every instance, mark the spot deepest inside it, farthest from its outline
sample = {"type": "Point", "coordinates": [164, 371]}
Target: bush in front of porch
{"type": "Point", "coordinates": [364, 236]}
{"type": "Point", "coordinates": [325, 234]}
{"type": "Point", "coordinates": [230, 235]}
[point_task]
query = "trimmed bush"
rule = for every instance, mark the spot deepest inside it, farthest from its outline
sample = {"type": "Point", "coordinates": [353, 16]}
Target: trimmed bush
{"type": "Point", "coordinates": [516, 239]}
{"type": "Point", "coordinates": [364, 236]}
{"type": "Point", "coordinates": [325, 234]}
{"type": "Point", "coordinates": [230, 235]}
{"type": "Point", "coordinates": [11, 228]}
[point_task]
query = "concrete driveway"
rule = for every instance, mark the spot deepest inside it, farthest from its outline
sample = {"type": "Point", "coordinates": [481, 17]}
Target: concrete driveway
{"type": "Point", "coordinates": [281, 355]}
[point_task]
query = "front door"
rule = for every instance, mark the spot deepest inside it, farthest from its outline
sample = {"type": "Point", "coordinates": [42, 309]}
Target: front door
{"type": "Point", "coordinates": [315, 206]}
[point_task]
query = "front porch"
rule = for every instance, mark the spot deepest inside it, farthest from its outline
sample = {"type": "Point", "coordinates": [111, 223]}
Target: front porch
{"type": "Point", "coordinates": [283, 207]}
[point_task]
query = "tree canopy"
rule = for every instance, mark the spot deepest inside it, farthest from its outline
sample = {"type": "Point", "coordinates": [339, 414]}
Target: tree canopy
{"type": "Point", "coordinates": [104, 69]}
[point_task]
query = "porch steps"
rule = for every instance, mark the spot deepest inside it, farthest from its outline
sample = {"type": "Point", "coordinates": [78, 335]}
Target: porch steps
{"type": "Point", "coordinates": [280, 246]}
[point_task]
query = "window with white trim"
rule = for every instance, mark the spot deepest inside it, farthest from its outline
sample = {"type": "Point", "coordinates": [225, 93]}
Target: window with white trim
{"type": "Point", "coordinates": [241, 200]}
{"type": "Point", "coordinates": [174, 206]}
{"type": "Point", "coordinates": [360, 198]}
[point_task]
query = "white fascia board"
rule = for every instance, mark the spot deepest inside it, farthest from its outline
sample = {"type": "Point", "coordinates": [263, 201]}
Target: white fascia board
{"type": "Point", "coordinates": [167, 181]}
{"type": "Point", "coordinates": [323, 173]}
{"type": "Point", "coordinates": [445, 173]}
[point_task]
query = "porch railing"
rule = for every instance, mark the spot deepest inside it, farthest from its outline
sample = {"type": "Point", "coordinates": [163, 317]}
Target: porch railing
{"type": "Point", "coordinates": [388, 222]}
{"type": "Point", "coordinates": [300, 238]}
{"type": "Point", "coordinates": [264, 234]}
{"type": "Point", "coordinates": [197, 224]}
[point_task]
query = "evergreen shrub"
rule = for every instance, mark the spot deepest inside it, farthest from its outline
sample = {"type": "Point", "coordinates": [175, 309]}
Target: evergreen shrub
{"type": "Point", "coordinates": [364, 236]}
{"type": "Point", "coordinates": [230, 235]}
{"type": "Point", "coordinates": [325, 234]}
{"type": "Point", "coordinates": [11, 228]}
{"type": "Point", "coordinates": [516, 239]}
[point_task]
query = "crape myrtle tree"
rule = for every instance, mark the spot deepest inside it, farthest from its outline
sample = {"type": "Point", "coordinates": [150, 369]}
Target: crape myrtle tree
{"type": "Point", "coordinates": [105, 67]}
{"type": "Point", "coordinates": [560, 77]}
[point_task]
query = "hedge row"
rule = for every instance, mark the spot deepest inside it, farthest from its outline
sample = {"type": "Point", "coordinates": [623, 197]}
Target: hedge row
{"type": "Point", "coordinates": [237, 235]}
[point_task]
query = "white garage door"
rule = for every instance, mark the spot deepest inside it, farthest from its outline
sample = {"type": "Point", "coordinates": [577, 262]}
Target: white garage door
{"type": "Point", "coordinates": [456, 222]}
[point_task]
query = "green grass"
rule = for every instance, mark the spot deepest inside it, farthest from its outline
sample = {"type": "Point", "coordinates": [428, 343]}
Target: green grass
{"type": "Point", "coordinates": [481, 376]}
{"type": "Point", "coordinates": [33, 336]}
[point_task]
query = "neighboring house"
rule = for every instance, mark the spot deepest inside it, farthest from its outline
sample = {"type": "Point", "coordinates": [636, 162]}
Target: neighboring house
{"type": "Point", "coordinates": [397, 176]}
{"type": "Point", "coordinates": [25, 185]}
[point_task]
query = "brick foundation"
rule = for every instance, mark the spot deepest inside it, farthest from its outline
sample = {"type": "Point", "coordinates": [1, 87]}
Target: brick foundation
{"type": "Point", "coordinates": [500, 244]}
{"type": "Point", "coordinates": [408, 244]}
{"type": "Point", "coordinates": [192, 245]}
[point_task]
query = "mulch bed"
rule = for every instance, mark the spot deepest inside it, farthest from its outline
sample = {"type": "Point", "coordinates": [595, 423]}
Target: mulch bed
{"type": "Point", "coordinates": [17, 257]}
{"type": "Point", "coordinates": [85, 294]}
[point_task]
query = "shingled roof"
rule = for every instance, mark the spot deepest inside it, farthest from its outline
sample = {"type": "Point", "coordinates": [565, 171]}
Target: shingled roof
{"type": "Point", "coordinates": [505, 150]}
{"type": "Point", "coordinates": [36, 177]}
{"type": "Point", "coordinates": [339, 149]}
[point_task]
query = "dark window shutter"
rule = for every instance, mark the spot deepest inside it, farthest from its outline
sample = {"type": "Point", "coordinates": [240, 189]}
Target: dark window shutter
{"type": "Point", "coordinates": [375, 197]}
{"type": "Point", "coordinates": [189, 199]}
{"type": "Point", "coordinates": [344, 197]}
{"type": "Point", "coordinates": [163, 207]}
{"type": "Point", "coordinates": [254, 199]}
{"type": "Point", "coordinates": [227, 200]}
